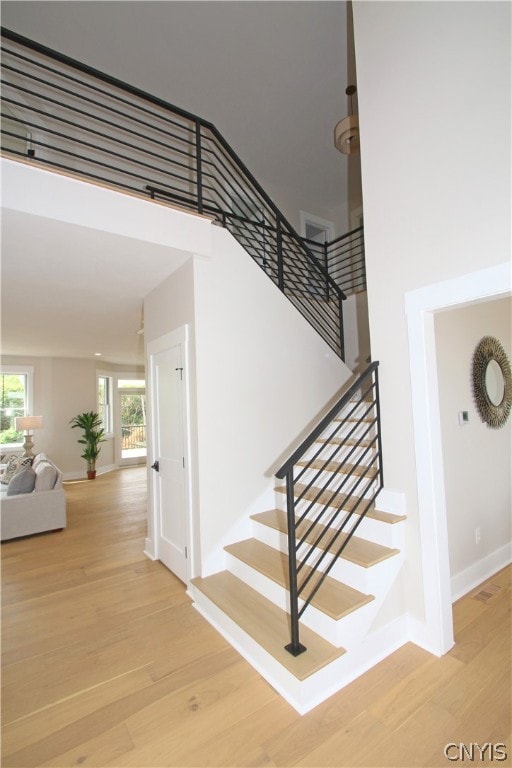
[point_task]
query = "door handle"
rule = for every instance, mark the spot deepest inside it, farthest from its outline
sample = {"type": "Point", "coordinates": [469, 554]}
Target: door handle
{"type": "Point", "coordinates": [156, 466]}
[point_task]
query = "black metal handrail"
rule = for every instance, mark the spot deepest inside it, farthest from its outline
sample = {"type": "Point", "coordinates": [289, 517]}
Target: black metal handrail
{"type": "Point", "coordinates": [70, 116]}
{"type": "Point", "coordinates": [344, 259]}
{"type": "Point", "coordinates": [344, 453]}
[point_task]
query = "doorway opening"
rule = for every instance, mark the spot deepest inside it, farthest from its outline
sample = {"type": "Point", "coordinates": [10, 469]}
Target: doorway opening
{"type": "Point", "coordinates": [316, 229]}
{"type": "Point", "coordinates": [132, 420]}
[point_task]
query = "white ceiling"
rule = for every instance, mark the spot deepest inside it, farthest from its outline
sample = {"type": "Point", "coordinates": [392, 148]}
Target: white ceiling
{"type": "Point", "coordinates": [61, 295]}
{"type": "Point", "coordinates": [270, 75]}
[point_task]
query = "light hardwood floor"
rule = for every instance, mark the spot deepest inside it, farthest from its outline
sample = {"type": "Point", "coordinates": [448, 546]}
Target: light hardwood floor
{"type": "Point", "coordinates": [105, 663]}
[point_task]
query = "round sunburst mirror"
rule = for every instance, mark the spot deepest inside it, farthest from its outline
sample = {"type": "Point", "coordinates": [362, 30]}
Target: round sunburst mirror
{"type": "Point", "coordinates": [492, 382]}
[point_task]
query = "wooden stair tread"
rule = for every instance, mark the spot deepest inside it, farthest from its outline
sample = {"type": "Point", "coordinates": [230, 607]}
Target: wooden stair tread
{"type": "Point", "coordinates": [359, 551]}
{"type": "Point", "coordinates": [342, 467]}
{"type": "Point", "coordinates": [342, 500]}
{"type": "Point", "coordinates": [333, 598]}
{"type": "Point", "coordinates": [267, 624]}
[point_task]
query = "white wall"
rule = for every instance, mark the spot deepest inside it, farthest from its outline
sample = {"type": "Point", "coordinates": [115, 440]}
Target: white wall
{"type": "Point", "coordinates": [433, 79]}
{"type": "Point", "coordinates": [262, 375]}
{"type": "Point", "coordinates": [476, 458]}
{"type": "Point", "coordinates": [258, 375]}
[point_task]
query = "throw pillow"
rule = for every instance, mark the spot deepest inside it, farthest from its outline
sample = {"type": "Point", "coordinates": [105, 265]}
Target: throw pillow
{"type": "Point", "coordinates": [22, 482]}
{"type": "Point", "coordinates": [39, 457]}
{"type": "Point", "coordinates": [14, 464]}
{"type": "Point", "coordinates": [46, 475]}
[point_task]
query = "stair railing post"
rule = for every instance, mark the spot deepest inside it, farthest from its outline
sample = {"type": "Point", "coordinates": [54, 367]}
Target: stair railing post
{"type": "Point", "coordinates": [294, 647]}
{"type": "Point", "coordinates": [342, 334]}
{"type": "Point", "coordinates": [280, 266]}
{"type": "Point", "coordinates": [199, 169]}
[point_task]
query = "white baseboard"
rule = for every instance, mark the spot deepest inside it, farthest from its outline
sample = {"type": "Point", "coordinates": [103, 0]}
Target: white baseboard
{"type": "Point", "coordinates": [81, 474]}
{"type": "Point", "coordinates": [149, 549]}
{"type": "Point", "coordinates": [466, 580]}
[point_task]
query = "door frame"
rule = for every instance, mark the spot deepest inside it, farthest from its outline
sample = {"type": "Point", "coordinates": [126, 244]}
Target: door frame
{"type": "Point", "coordinates": [435, 632]}
{"type": "Point", "coordinates": [180, 336]}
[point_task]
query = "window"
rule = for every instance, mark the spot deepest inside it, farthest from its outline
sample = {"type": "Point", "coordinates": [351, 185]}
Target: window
{"type": "Point", "coordinates": [105, 402]}
{"type": "Point", "coordinates": [15, 400]}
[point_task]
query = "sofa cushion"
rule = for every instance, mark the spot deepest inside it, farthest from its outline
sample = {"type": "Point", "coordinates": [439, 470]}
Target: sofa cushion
{"type": "Point", "coordinates": [14, 464]}
{"type": "Point", "coordinates": [39, 457]}
{"type": "Point", "coordinates": [22, 482]}
{"type": "Point", "coordinates": [46, 475]}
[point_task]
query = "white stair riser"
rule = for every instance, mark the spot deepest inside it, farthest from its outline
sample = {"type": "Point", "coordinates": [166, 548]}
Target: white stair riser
{"type": "Point", "coordinates": [258, 581]}
{"type": "Point", "coordinates": [340, 454]}
{"type": "Point", "coordinates": [353, 624]}
{"type": "Point", "coordinates": [352, 485]}
{"type": "Point", "coordinates": [357, 410]}
{"type": "Point", "coordinates": [351, 430]}
{"type": "Point", "coordinates": [387, 534]}
{"type": "Point", "coordinates": [375, 580]}
{"type": "Point", "coordinates": [311, 509]}
{"type": "Point", "coordinates": [344, 633]}
{"type": "Point", "coordinates": [372, 580]}
{"type": "Point", "coordinates": [354, 454]}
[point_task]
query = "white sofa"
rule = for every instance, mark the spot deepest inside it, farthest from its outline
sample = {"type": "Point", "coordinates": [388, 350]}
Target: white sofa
{"type": "Point", "coordinates": [41, 510]}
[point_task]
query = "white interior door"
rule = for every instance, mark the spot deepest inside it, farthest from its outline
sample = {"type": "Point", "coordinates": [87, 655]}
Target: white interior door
{"type": "Point", "coordinates": [168, 480]}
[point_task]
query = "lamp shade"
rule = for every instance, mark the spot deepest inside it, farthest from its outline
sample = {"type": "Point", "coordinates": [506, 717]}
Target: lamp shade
{"type": "Point", "coordinates": [346, 135]}
{"type": "Point", "coordinates": [26, 423]}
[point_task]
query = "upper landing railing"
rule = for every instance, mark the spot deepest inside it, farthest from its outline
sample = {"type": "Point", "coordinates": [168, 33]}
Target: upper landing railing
{"type": "Point", "coordinates": [66, 115]}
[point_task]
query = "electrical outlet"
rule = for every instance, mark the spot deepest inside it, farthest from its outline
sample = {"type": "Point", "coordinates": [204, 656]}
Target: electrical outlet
{"type": "Point", "coordinates": [478, 535]}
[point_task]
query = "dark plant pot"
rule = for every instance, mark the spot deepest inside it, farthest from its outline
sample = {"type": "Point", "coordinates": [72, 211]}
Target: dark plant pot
{"type": "Point", "coordinates": [91, 474]}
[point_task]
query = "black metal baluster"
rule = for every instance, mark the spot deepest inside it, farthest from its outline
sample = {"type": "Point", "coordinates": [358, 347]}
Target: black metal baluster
{"type": "Point", "coordinates": [280, 266]}
{"type": "Point", "coordinates": [199, 168]}
{"type": "Point", "coordinates": [294, 647]}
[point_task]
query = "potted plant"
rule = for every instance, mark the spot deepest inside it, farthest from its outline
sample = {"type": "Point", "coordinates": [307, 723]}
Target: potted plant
{"type": "Point", "coordinates": [93, 435]}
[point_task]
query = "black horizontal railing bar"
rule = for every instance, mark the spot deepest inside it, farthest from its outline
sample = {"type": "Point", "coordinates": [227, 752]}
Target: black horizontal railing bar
{"type": "Point", "coordinates": [355, 259]}
{"type": "Point", "coordinates": [219, 211]}
{"type": "Point", "coordinates": [359, 443]}
{"type": "Point", "coordinates": [96, 104]}
{"type": "Point", "coordinates": [84, 158]}
{"type": "Point", "coordinates": [97, 118]}
{"type": "Point", "coordinates": [333, 493]}
{"type": "Point", "coordinates": [329, 243]}
{"type": "Point", "coordinates": [346, 478]}
{"type": "Point", "coordinates": [336, 450]}
{"type": "Point", "coordinates": [345, 236]}
{"type": "Point", "coordinates": [354, 512]}
{"type": "Point", "coordinates": [354, 448]}
{"type": "Point", "coordinates": [336, 534]}
{"type": "Point", "coordinates": [323, 575]}
{"type": "Point", "coordinates": [321, 426]}
{"type": "Point", "coordinates": [337, 447]}
{"type": "Point", "coordinates": [105, 150]}
{"type": "Point", "coordinates": [88, 130]}
{"type": "Point", "coordinates": [96, 73]}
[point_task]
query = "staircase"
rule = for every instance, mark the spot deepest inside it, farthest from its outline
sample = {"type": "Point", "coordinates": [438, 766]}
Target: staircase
{"type": "Point", "coordinates": [303, 570]}
{"type": "Point", "coordinates": [250, 602]}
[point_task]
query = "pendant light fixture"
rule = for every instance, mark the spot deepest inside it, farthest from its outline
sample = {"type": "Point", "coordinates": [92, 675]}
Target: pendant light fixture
{"type": "Point", "coordinates": [346, 133]}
